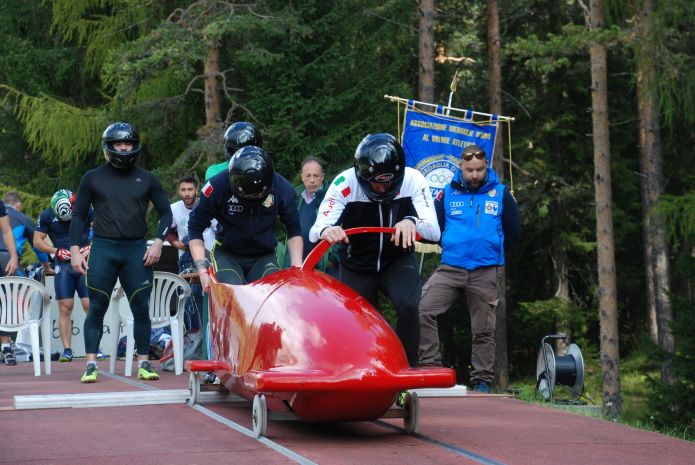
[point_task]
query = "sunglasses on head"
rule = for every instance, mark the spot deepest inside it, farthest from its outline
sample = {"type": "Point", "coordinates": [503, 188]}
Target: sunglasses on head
{"type": "Point", "coordinates": [480, 155]}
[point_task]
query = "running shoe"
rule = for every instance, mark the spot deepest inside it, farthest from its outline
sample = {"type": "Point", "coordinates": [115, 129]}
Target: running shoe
{"type": "Point", "coordinates": [66, 356]}
{"type": "Point", "coordinates": [100, 355]}
{"type": "Point", "coordinates": [147, 373]}
{"type": "Point", "coordinates": [482, 387]}
{"type": "Point", "coordinates": [8, 356]}
{"type": "Point", "coordinates": [90, 374]}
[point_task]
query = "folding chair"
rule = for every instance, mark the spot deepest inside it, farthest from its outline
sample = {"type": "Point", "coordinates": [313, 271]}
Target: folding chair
{"type": "Point", "coordinates": [169, 293]}
{"type": "Point", "coordinates": [24, 304]}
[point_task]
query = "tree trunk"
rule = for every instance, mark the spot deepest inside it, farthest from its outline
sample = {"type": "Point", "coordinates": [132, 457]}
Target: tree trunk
{"type": "Point", "coordinates": [607, 291]}
{"type": "Point", "coordinates": [213, 103]}
{"type": "Point", "coordinates": [494, 51]}
{"type": "Point", "coordinates": [426, 18]}
{"type": "Point", "coordinates": [656, 261]}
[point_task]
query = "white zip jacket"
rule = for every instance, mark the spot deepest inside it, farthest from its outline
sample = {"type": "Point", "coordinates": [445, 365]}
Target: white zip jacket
{"type": "Point", "coordinates": [345, 204]}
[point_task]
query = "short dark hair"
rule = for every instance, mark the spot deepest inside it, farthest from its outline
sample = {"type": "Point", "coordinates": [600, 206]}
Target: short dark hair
{"type": "Point", "coordinates": [187, 178]}
{"type": "Point", "coordinates": [314, 159]}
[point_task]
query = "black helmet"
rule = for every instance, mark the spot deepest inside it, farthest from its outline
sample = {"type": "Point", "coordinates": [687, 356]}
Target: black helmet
{"type": "Point", "coordinates": [380, 158]}
{"type": "Point", "coordinates": [251, 173]}
{"type": "Point", "coordinates": [240, 135]}
{"type": "Point", "coordinates": [120, 132]}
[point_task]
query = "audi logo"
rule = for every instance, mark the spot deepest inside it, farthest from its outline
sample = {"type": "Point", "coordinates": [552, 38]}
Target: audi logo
{"type": "Point", "coordinates": [458, 203]}
{"type": "Point", "coordinates": [235, 208]}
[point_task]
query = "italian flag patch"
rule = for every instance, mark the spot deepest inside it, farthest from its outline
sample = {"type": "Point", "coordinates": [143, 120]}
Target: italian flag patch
{"type": "Point", "coordinates": [207, 189]}
{"type": "Point", "coordinates": [346, 190]}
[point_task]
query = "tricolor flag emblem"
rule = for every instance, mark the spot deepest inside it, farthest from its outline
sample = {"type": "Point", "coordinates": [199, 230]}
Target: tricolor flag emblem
{"type": "Point", "coordinates": [207, 189]}
{"type": "Point", "coordinates": [345, 191]}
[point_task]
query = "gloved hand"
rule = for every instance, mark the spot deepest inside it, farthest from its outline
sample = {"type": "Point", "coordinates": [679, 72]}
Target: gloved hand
{"type": "Point", "coordinates": [63, 254]}
{"type": "Point", "coordinates": [84, 251]}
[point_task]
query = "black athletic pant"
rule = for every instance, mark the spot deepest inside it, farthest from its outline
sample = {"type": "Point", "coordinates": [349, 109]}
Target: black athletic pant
{"type": "Point", "coordinates": [109, 260]}
{"type": "Point", "coordinates": [400, 283]}
{"type": "Point", "coordinates": [233, 268]}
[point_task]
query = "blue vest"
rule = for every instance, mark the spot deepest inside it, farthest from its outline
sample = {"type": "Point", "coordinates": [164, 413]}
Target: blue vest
{"type": "Point", "coordinates": [473, 235]}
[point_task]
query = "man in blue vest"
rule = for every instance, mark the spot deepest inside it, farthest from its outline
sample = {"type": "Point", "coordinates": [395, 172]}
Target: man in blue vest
{"type": "Point", "coordinates": [479, 219]}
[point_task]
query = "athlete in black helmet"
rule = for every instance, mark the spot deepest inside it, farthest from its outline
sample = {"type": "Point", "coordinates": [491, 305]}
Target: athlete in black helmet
{"type": "Point", "coordinates": [120, 193]}
{"type": "Point", "coordinates": [238, 135]}
{"type": "Point", "coordinates": [380, 166]}
{"type": "Point", "coordinates": [119, 134]}
{"type": "Point", "coordinates": [246, 201]}
{"type": "Point", "coordinates": [380, 191]}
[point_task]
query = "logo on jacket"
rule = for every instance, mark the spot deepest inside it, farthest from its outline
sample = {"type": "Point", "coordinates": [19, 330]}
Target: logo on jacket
{"type": "Point", "coordinates": [233, 199]}
{"type": "Point", "coordinates": [491, 207]}
{"type": "Point", "coordinates": [345, 191]}
{"type": "Point", "coordinates": [492, 192]}
{"type": "Point", "coordinates": [207, 189]}
{"type": "Point", "coordinates": [269, 201]}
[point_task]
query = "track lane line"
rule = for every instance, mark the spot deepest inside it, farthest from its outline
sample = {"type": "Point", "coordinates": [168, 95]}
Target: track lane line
{"type": "Point", "coordinates": [282, 450]}
{"type": "Point", "coordinates": [455, 449]}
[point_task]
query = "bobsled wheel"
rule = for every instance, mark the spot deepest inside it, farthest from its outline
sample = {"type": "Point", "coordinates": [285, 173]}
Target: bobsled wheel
{"type": "Point", "coordinates": [259, 415]}
{"type": "Point", "coordinates": [411, 422]}
{"type": "Point", "coordinates": [194, 387]}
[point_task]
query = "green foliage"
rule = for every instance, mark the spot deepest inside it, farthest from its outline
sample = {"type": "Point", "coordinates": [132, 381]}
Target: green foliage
{"type": "Point", "coordinates": [29, 59]}
{"type": "Point", "coordinates": [60, 132]}
{"type": "Point", "coordinates": [99, 25]}
{"type": "Point", "coordinates": [679, 213]}
{"type": "Point", "coordinates": [674, 404]}
{"type": "Point", "coordinates": [555, 51]}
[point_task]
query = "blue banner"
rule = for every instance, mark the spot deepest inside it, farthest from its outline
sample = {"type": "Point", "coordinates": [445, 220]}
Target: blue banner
{"type": "Point", "coordinates": [433, 144]}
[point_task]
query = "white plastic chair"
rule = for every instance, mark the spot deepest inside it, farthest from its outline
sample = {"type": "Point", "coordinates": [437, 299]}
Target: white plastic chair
{"type": "Point", "coordinates": [24, 304]}
{"type": "Point", "coordinates": [169, 293]}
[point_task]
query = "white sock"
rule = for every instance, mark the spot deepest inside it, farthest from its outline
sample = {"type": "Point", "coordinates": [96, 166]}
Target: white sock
{"type": "Point", "coordinates": [5, 345]}
{"type": "Point", "coordinates": [96, 365]}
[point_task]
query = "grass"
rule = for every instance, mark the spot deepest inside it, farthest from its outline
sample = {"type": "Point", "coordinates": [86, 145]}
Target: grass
{"type": "Point", "coordinates": [634, 371]}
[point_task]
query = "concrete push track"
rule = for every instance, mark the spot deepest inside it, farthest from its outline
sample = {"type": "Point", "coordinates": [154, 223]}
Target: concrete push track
{"type": "Point", "coordinates": [460, 430]}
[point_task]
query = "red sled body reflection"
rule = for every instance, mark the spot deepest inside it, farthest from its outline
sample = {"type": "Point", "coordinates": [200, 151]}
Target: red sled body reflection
{"type": "Point", "coordinates": [301, 341]}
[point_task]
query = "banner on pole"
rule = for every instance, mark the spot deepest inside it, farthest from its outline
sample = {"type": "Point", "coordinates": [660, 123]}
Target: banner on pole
{"type": "Point", "coordinates": [433, 143]}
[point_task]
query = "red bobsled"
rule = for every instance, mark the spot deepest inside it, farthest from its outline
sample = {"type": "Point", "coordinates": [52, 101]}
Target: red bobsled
{"type": "Point", "coordinates": [301, 341]}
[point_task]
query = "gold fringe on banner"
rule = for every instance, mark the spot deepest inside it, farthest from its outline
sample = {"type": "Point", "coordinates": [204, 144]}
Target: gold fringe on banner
{"type": "Point", "coordinates": [476, 117]}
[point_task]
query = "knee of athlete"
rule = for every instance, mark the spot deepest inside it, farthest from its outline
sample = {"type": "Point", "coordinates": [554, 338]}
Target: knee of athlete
{"type": "Point", "coordinates": [65, 310]}
{"type": "Point", "coordinates": [140, 308]}
{"type": "Point", "coordinates": [98, 305]}
{"type": "Point", "coordinates": [94, 320]}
